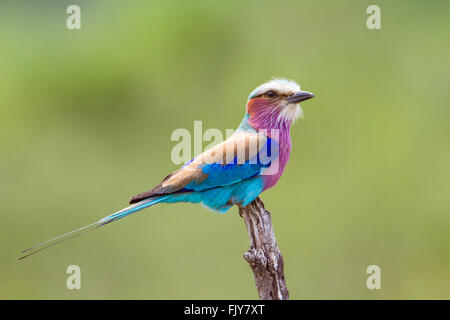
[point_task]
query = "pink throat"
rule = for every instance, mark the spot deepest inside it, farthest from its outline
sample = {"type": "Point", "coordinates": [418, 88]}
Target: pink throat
{"type": "Point", "coordinates": [266, 117]}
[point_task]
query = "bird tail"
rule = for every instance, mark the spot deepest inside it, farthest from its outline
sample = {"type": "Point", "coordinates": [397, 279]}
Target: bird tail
{"type": "Point", "coordinates": [108, 219]}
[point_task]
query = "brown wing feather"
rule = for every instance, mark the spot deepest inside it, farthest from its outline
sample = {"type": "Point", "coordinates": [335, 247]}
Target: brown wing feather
{"type": "Point", "coordinates": [243, 145]}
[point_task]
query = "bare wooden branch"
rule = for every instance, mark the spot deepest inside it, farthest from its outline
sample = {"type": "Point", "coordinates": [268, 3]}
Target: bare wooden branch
{"type": "Point", "coordinates": [264, 257]}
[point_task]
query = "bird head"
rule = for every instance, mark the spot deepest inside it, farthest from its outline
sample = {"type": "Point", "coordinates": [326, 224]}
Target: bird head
{"type": "Point", "coordinates": [275, 103]}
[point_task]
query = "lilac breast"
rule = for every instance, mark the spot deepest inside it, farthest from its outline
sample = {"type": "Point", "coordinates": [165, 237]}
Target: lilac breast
{"type": "Point", "coordinates": [277, 167]}
{"type": "Point", "coordinates": [263, 116]}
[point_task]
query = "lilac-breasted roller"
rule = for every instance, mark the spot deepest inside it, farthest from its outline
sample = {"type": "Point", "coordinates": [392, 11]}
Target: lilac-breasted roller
{"type": "Point", "coordinates": [233, 172]}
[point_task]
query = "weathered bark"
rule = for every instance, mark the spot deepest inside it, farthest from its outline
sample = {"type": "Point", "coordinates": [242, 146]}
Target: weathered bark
{"type": "Point", "coordinates": [264, 257]}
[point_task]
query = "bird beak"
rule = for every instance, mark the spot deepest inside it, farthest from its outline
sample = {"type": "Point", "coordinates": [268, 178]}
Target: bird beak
{"type": "Point", "coordinates": [300, 96]}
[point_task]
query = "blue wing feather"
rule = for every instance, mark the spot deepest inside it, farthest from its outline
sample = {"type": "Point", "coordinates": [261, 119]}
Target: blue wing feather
{"type": "Point", "coordinates": [219, 175]}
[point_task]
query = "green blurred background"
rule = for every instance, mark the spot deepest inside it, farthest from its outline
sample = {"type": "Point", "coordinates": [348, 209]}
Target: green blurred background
{"type": "Point", "coordinates": [86, 118]}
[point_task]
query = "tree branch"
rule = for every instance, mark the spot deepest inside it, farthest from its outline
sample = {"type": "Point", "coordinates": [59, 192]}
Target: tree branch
{"type": "Point", "coordinates": [264, 257]}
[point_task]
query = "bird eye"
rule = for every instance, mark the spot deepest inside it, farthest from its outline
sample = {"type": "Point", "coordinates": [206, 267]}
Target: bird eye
{"type": "Point", "coordinates": [271, 94]}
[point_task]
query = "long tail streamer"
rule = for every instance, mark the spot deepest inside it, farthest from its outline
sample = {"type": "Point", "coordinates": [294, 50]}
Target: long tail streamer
{"type": "Point", "coordinates": [75, 233]}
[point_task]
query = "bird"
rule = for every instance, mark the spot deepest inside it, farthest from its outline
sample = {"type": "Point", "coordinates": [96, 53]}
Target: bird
{"type": "Point", "coordinates": [233, 172]}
